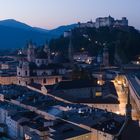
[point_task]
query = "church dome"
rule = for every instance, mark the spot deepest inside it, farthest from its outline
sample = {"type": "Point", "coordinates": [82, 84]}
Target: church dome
{"type": "Point", "coordinates": [25, 65]}
{"type": "Point", "coordinates": [41, 55]}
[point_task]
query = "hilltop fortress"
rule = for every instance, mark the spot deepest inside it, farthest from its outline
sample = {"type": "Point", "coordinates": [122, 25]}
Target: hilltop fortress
{"type": "Point", "coordinates": [105, 21]}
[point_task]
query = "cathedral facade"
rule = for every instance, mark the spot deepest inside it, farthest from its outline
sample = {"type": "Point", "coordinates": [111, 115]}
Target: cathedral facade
{"type": "Point", "coordinates": [37, 67]}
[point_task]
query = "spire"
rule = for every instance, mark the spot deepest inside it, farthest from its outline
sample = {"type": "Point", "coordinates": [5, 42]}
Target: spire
{"type": "Point", "coordinates": [47, 50]}
{"type": "Point", "coordinates": [46, 47]}
{"type": "Point", "coordinates": [31, 52]}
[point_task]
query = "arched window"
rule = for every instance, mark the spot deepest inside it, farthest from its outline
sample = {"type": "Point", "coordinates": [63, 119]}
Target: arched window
{"type": "Point", "coordinates": [44, 81]}
{"type": "Point", "coordinates": [26, 73]}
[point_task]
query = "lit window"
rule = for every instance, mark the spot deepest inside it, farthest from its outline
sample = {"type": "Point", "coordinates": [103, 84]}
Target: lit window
{"type": "Point", "coordinates": [98, 94]}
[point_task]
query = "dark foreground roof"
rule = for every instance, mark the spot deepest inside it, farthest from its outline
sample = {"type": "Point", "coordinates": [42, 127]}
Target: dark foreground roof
{"type": "Point", "coordinates": [131, 132]}
{"type": "Point", "coordinates": [109, 95]}
{"type": "Point", "coordinates": [98, 100]}
{"type": "Point", "coordinates": [75, 84]}
{"type": "Point", "coordinates": [65, 130]}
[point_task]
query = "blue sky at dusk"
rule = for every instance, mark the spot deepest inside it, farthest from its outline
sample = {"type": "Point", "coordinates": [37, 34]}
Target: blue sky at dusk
{"type": "Point", "coordinates": [53, 13]}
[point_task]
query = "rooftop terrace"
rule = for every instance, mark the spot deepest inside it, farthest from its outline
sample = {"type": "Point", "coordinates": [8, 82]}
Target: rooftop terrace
{"type": "Point", "coordinates": [98, 119]}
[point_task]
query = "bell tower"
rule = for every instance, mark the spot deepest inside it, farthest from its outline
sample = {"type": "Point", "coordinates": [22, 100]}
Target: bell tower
{"type": "Point", "coordinates": [47, 51]}
{"type": "Point", "coordinates": [46, 47]}
{"type": "Point", "coordinates": [31, 52]}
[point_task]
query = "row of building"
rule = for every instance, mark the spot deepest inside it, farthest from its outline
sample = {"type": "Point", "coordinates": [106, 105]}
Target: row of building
{"type": "Point", "coordinates": [26, 114]}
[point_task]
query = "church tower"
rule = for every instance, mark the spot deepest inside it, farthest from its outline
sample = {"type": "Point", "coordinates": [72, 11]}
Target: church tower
{"type": "Point", "coordinates": [105, 56]}
{"type": "Point", "coordinates": [47, 51]}
{"type": "Point", "coordinates": [46, 47]}
{"type": "Point", "coordinates": [128, 107]}
{"type": "Point", "coordinates": [31, 52]}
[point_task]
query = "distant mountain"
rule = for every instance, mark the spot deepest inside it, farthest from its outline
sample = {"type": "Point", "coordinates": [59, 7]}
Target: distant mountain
{"type": "Point", "coordinates": [15, 24]}
{"type": "Point", "coordinates": [15, 34]}
{"type": "Point", "coordinates": [41, 30]}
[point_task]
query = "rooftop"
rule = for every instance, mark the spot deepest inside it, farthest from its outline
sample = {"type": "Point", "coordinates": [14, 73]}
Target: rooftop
{"type": "Point", "coordinates": [64, 130]}
{"type": "Point", "coordinates": [34, 99]}
{"type": "Point", "coordinates": [46, 66]}
{"type": "Point", "coordinates": [131, 132]}
{"type": "Point", "coordinates": [26, 114]}
{"type": "Point", "coordinates": [109, 94]}
{"type": "Point", "coordinates": [74, 84]}
{"type": "Point", "coordinates": [98, 119]}
{"type": "Point", "coordinates": [35, 125]}
{"type": "Point", "coordinates": [10, 107]}
{"type": "Point", "coordinates": [41, 55]}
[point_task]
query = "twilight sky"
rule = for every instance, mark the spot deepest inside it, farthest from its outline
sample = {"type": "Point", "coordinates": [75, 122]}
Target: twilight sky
{"type": "Point", "coordinates": [52, 13]}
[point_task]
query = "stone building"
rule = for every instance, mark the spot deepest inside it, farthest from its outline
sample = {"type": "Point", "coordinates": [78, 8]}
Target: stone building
{"type": "Point", "coordinates": [104, 21]}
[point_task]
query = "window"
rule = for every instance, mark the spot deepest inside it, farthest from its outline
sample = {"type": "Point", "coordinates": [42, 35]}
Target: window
{"type": "Point", "coordinates": [32, 80]}
{"type": "Point", "coordinates": [98, 94]}
{"type": "Point", "coordinates": [26, 73]}
{"type": "Point", "coordinates": [56, 80]}
{"type": "Point", "coordinates": [19, 82]}
{"type": "Point", "coordinates": [44, 81]}
{"type": "Point", "coordinates": [44, 73]}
